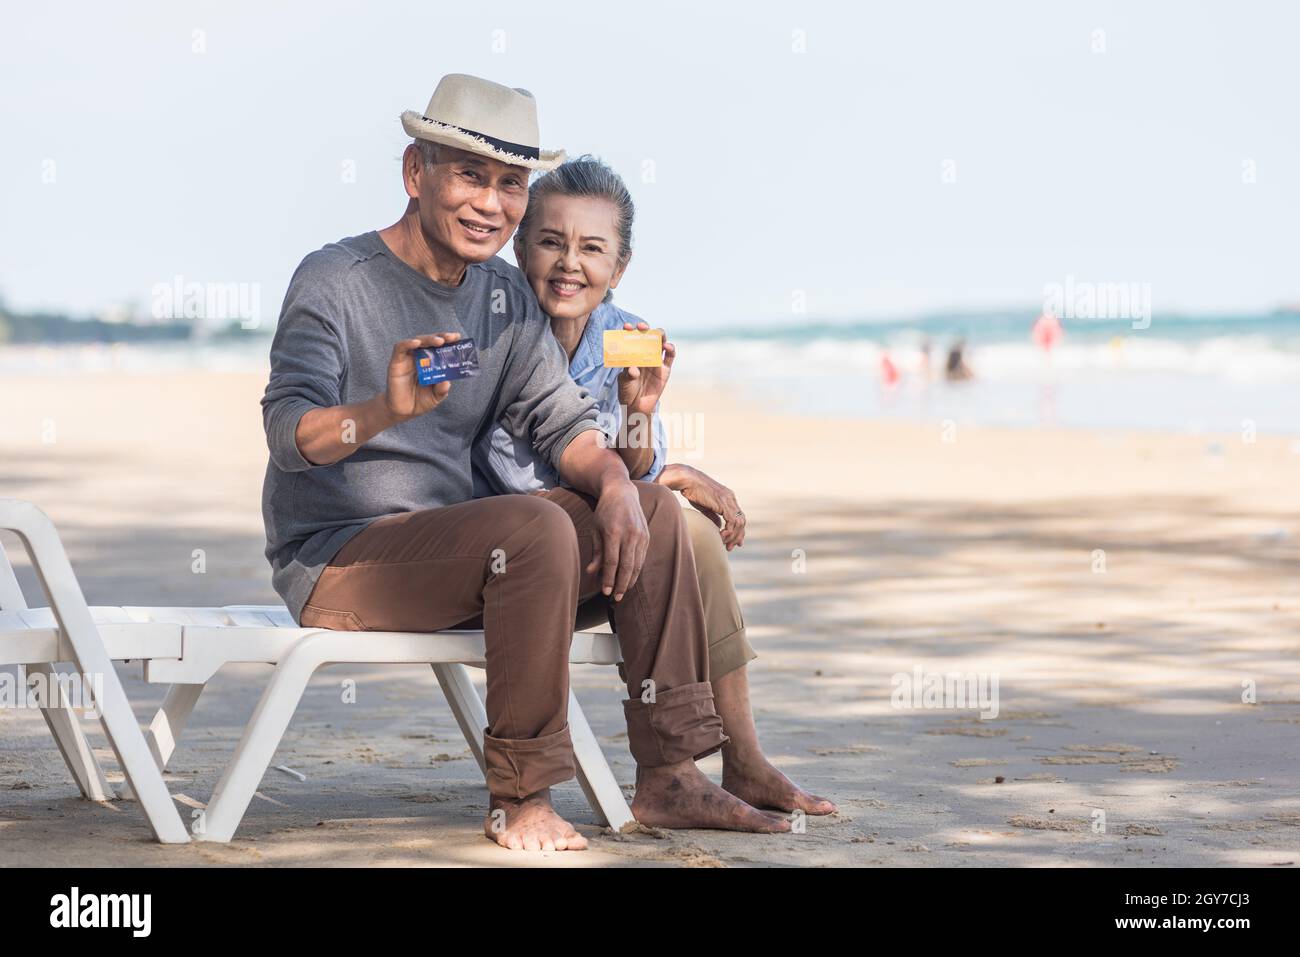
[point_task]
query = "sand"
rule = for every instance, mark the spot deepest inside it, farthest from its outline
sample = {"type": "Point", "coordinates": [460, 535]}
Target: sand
{"type": "Point", "coordinates": [1121, 587]}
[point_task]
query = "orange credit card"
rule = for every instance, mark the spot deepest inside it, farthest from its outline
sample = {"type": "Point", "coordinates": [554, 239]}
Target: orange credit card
{"type": "Point", "coordinates": [625, 347]}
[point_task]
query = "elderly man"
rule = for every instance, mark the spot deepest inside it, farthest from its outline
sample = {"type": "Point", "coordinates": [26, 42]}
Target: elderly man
{"type": "Point", "coordinates": [368, 502]}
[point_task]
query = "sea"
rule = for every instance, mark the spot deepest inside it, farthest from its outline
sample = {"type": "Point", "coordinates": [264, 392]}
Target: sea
{"type": "Point", "coordinates": [1212, 374]}
{"type": "Point", "coordinates": [1231, 374]}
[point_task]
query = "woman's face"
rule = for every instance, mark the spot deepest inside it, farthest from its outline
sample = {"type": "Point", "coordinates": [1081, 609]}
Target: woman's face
{"type": "Point", "coordinates": [570, 254]}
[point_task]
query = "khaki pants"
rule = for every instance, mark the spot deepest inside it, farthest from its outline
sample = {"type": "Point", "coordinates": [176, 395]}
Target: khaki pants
{"type": "Point", "coordinates": [729, 648]}
{"type": "Point", "coordinates": [514, 565]}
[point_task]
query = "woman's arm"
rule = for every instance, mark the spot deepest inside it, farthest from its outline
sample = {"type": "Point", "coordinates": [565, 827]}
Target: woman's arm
{"type": "Point", "coordinates": [639, 392]}
{"type": "Point", "coordinates": [709, 496]}
{"type": "Point", "coordinates": [637, 447]}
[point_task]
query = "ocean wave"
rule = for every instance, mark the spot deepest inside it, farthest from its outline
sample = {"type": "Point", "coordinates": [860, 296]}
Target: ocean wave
{"type": "Point", "coordinates": [1240, 358]}
{"type": "Point", "coordinates": [83, 358]}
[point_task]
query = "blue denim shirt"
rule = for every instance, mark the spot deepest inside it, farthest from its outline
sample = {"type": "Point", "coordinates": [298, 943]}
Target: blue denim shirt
{"type": "Point", "coordinates": [504, 464]}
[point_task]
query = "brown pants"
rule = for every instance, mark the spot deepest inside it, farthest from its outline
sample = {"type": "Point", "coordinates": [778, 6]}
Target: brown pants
{"type": "Point", "coordinates": [515, 566]}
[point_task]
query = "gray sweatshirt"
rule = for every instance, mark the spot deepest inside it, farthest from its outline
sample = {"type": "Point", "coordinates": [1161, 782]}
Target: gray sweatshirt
{"type": "Point", "coordinates": [346, 306]}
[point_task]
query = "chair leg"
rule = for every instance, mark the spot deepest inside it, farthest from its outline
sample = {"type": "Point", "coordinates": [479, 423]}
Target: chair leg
{"type": "Point", "coordinates": [169, 722]}
{"type": "Point", "coordinates": [66, 730]}
{"type": "Point", "coordinates": [235, 790]}
{"type": "Point", "coordinates": [594, 775]}
{"type": "Point", "coordinates": [466, 706]}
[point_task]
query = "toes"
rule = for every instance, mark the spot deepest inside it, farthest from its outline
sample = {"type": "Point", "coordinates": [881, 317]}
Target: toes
{"type": "Point", "coordinates": [770, 823]}
{"type": "Point", "coordinates": [535, 830]}
{"type": "Point", "coordinates": [812, 804]}
{"type": "Point", "coordinates": [570, 841]}
{"type": "Point", "coordinates": [753, 819]}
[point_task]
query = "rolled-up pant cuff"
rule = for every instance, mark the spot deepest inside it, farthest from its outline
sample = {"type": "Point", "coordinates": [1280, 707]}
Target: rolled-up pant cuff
{"type": "Point", "coordinates": [679, 724]}
{"type": "Point", "coordinates": [730, 653]}
{"type": "Point", "coordinates": [517, 767]}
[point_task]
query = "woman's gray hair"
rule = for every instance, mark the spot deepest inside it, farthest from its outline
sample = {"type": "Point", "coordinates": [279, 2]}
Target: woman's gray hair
{"type": "Point", "coordinates": [586, 176]}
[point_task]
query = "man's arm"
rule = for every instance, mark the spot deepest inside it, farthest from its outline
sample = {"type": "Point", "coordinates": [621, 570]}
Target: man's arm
{"type": "Point", "coordinates": [330, 434]}
{"type": "Point", "coordinates": [306, 423]}
{"type": "Point", "coordinates": [307, 360]}
{"type": "Point", "coordinates": [590, 467]}
{"type": "Point", "coordinates": [624, 537]}
{"type": "Point", "coordinates": [540, 403]}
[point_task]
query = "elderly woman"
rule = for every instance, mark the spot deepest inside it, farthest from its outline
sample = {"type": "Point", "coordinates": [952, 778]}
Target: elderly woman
{"type": "Point", "coordinates": [574, 243]}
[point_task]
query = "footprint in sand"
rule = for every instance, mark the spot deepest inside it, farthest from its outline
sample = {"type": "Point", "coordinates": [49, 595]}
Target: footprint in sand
{"type": "Point", "coordinates": [1128, 757]}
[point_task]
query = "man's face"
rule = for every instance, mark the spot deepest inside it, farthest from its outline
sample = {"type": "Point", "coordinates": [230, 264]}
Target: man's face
{"type": "Point", "coordinates": [469, 204]}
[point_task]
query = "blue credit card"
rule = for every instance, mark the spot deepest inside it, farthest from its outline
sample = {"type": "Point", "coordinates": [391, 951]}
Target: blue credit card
{"type": "Point", "coordinates": [455, 360]}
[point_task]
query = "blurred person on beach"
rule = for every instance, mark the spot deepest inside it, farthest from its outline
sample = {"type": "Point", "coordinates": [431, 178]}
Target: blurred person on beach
{"type": "Point", "coordinates": [368, 501]}
{"type": "Point", "coordinates": [956, 369]}
{"type": "Point", "coordinates": [574, 244]}
{"type": "Point", "coordinates": [890, 376]}
{"type": "Point", "coordinates": [1047, 332]}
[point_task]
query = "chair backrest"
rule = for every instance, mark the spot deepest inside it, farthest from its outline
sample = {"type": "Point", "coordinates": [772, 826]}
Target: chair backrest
{"type": "Point", "coordinates": [11, 599]}
{"type": "Point", "coordinates": [11, 595]}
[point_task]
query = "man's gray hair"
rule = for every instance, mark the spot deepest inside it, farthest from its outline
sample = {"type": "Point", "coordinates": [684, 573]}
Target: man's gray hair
{"type": "Point", "coordinates": [586, 176]}
{"type": "Point", "coordinates": [428, 151]}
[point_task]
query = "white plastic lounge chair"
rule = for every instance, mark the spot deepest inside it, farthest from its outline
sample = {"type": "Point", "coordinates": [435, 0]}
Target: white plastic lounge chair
{"type": "Point", "coordinates": [185, 647]}
{"type": "Point", "coordinates": [65, 631]}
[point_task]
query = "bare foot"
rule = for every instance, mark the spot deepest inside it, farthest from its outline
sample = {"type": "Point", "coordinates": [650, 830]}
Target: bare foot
{"type": "Point", "coordinates": [530, 824]}
{"type": "Point", "coordinates": [680, 796]}
{"type": "Point", "coordinates": [756, 782]}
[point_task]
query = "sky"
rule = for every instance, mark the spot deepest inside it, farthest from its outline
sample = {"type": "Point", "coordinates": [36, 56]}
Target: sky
{"type": "Point", "coordinates": [790, 161]}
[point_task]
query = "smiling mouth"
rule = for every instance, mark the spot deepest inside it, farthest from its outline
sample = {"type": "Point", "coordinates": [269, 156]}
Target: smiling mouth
{"type": "Point", "coordinates": [565, 287]}
{"type": "Point", "coordinates": [478, 229]}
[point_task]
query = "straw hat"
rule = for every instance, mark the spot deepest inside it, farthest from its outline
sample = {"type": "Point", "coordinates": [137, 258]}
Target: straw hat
{"type": "Point", "coordinates": [483, 117]}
